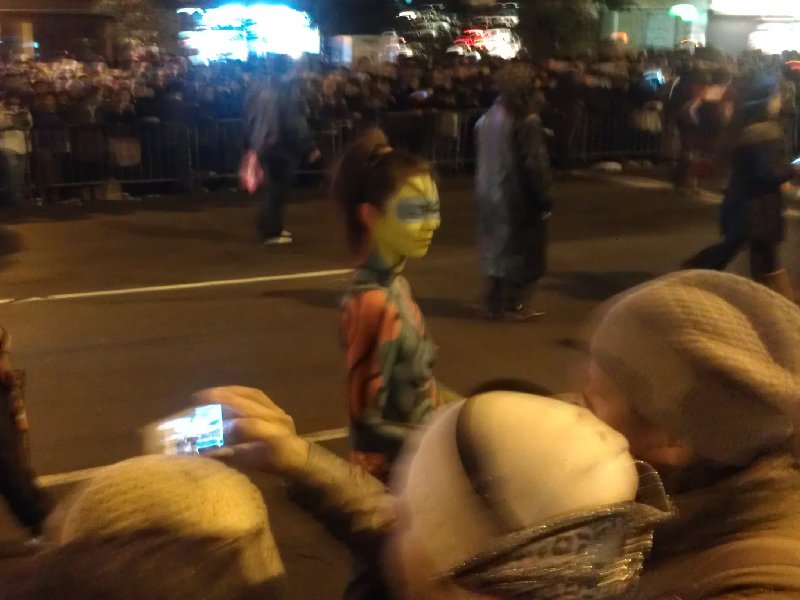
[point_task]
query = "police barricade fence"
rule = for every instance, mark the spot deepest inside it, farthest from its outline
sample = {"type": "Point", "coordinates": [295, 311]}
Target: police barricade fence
{"type": "Point", "coordinates": [51, 163]}
{"type": "Point", "coordinates": [608, 137]}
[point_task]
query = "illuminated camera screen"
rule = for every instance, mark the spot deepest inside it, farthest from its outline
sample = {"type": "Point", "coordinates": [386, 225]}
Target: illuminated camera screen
{"type": "Point", "coordinates": [193, 433]}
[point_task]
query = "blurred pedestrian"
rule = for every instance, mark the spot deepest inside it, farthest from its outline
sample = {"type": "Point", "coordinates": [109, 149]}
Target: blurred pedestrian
{"type": "Point", "coordinates": [17, 482]}
{"type": "Point", "coordinates": [278, 141]}
{"type": "Point", "coordinates": [700, 371]}
{"type": "Point", "coordinates": [752, 208]}
{"type": "Point", "coordinates": [15, 125]}
{"type": "Point", "coordinates": [513, 196]}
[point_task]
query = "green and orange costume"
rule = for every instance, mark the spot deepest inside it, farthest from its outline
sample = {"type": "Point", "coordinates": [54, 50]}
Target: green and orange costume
{"type": "Point", "coordinates": [389, 358]}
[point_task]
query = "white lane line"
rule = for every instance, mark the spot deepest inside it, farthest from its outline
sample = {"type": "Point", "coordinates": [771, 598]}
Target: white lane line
{"type": "Point", "coordinates": [77, 476]}
{"type": "Point", "coordinates": [177, 286]}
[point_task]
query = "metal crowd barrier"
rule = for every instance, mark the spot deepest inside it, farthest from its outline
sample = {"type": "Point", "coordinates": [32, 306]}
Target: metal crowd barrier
{"type": "Point", "coordinates": [45, 163]}
{"type": "Point", "coordinates": [608, 137]}
{"type": "Point", "coordinates": [91, 156]}
{"type": "Point", "coordinates": [445, 138]}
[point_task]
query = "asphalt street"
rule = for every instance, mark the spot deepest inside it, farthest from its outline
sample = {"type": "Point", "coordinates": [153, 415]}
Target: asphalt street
{"type": "Point", "coordinates": [111, 338]}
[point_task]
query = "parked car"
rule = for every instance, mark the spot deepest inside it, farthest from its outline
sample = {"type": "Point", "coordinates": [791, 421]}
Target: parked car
{"type": "Point", "coordinates": [463, 50]}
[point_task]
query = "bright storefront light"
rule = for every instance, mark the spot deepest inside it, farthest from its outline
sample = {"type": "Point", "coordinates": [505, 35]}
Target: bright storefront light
{"type": "Point", "coordinates": [757, 8]}
{"type": "Point", "coordinates": [774, 38]}
{"type": "Point", "coordinates": [234, 31]}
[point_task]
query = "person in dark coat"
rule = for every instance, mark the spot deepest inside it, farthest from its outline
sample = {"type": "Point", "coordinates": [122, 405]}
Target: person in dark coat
{"type": "Point", "coordinates": [278, 141]}
{"type": "Point", "coordinates": [513, 196]}
{"type": "Point", "coordinates": [18, 485]}
{"type": "Point", "coordinates": [752, 209]}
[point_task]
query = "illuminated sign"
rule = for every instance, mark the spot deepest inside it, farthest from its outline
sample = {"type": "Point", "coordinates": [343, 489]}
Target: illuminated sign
{"type": "Point", "coordinates": [685, 12]}
{"type": "Point", "coordinates": [235, 31]}
{"type": "Point", "coordinates": [774, 38]}
{"type": "Point", "coordinates": [762, 8]}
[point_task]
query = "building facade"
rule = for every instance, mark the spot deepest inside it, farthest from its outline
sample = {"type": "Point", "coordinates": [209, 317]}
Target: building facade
{"type": "Point", "coordinates": [768, 25]}
{"type": "Point", "coordinates": [650, 25]}
{"type": "Point", "coordinates": [44, 28]}
{"type": "Point", "coordinates": [729, 25]}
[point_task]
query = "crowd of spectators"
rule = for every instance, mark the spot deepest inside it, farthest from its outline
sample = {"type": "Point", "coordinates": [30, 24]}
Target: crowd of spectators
{"type": "Point", "coordinates": [622, 90]}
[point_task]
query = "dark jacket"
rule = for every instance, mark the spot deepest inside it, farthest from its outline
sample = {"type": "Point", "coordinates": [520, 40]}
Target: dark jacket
{"type": "Point", "coordinates": [275, 126]}
{"type": "Point", "coordinates": [753, 205]}
{"type": "Point", "coordinates": [512, 192]}
{"type": "Point", "coordinates": [17, 482]}
{"type": "Point", "coordinates": [735, 540]}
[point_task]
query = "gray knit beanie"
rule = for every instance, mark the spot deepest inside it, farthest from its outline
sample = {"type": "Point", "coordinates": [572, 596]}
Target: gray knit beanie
{"type": "Point", "coordinates": [181, 495]}
{"type": "Point", "coordinates": [711, 357]}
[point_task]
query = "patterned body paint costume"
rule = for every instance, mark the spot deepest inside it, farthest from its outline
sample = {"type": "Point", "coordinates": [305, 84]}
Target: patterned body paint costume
{"type": "Point", "coordinates": [389, 358]}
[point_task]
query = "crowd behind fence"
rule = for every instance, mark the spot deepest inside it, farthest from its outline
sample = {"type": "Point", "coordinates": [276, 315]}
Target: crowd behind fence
{"type": "Point", "coordinates": [55, 163]}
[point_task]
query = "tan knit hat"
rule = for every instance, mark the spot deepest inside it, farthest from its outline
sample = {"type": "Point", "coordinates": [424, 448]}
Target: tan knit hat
{"type": "Point", "coordinates": [188, 495]}
{"type": "Point", "coordinates": [711, 357]}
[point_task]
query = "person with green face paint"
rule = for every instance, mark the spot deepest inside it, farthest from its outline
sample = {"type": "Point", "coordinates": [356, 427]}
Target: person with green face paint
{"type": "Point", "coordinates": [390, 205]}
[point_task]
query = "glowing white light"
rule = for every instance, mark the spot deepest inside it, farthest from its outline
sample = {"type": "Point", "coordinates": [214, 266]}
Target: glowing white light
{"type": "Point", "coordinates": [233, 31]}
{"type": "Point", "coordinates": [774, 38]}
{"type": "Point", "coordinates": [687, 13]}
{"type": "Point", "coordinates": [501, 43]}
{"type": "Point", "coordinates": [762, 8]}
{"type": "Point", "coordinates": [214, 45]}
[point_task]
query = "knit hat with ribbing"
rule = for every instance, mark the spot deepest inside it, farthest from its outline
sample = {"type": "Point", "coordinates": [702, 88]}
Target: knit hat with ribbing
{"type": "Point", "coordinates": [711, 357]}
{"type": "Point", "coordinates": [184, 495]}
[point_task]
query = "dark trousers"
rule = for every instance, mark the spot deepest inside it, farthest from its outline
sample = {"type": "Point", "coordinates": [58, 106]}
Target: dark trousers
{"type": "Point", "coordinates": [526, 250]}
{"type": "Point", "coordinates": [17, 483]}
{"type": "Point", "coordinates": [280, 172]}
{"type": "Point", "coordinates": [763, 256]}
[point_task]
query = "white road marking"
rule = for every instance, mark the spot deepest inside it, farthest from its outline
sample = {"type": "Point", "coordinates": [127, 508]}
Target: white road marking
{"type": "Point", "coordinates": [73, 477]}
{"type": "Point", "coordinates": [177, 287]}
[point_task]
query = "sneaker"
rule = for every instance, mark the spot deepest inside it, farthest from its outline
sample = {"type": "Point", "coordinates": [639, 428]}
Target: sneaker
{"type": "Point", "coordinates": [522, 313]}
{"type": "Point", "coordinates": [518, 313]}
{"type": "Point", "coordinates": [280, 240]}
{"type": "Point", "coordinates": [33, 543]}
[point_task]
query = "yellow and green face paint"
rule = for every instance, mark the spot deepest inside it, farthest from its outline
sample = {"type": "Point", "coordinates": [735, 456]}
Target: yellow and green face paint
{"type": "Point", "coordinates": [405, 226]}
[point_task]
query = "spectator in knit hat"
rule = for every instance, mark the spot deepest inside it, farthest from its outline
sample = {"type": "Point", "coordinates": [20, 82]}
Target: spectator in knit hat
{"type": "Point", "coordinates": [142, 565]}
{"type": "Point", "coordinates": [504, 495]}
{"type": "Point", "coordinates": [701, 372]}
{"type": "Point", "coordinates": [159, 528]}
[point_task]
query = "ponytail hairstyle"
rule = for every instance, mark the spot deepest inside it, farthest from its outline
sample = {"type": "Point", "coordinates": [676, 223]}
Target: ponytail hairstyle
{"type": "Point", "coordinates": [369, 172]}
